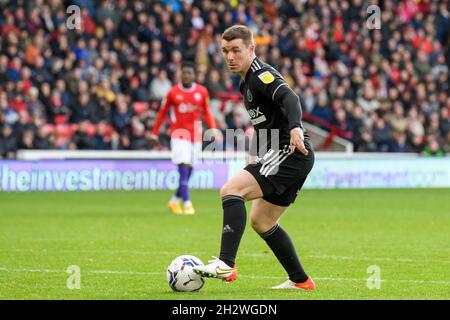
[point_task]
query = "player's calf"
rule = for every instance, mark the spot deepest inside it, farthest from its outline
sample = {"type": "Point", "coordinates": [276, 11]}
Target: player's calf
{"type": "Point", "coordinates": [281, 245]}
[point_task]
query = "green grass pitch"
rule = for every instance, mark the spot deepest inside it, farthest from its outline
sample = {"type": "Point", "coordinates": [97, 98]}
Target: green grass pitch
{"type": "Point", "coordinates": [123, 242]}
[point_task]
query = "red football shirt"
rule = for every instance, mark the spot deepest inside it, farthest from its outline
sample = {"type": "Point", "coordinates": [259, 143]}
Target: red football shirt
{"type": "Point", "coordinates": [187, 105]}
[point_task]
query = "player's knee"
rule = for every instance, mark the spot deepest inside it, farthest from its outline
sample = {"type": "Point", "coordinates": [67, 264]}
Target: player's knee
{"type": "Point", "coordinates": [228, 189]}
{"type": "Point", "coordinates": [258, 225]}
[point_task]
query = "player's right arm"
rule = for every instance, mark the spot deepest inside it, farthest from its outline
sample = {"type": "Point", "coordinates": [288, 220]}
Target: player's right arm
{"type": "Point", "coordinates": [274, 87]}
{"type": "Point", "coordinates": [162, 114]}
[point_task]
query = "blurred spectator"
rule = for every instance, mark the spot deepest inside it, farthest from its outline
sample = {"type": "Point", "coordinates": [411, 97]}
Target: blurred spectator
{"type": "Point", "coordinates": [322, 110]}
{"type": "Point", "coordinates": [382, 135]}
{"type": "Point", "coordinates": [417, 143]}
{"type": "Point", "coordinates": [160, 86]}
{"type": "Point", "coordinates": [213, 83]}
{"type": "Point", "coordinates": [400, 143]}
{"type": "Point", "coordinates": [366, 143]}
{"type": "Point", "coordinates": [27, 141]}
{"type": "Point", "coordinates": [83, 137]}
{"type": "Point", "coordinates": [139, 141]}
{"type": "Point", "coordinates": [8, 143]}
{"type": "Point", "coordinates": [432, 149]}
{"type": "Point", "coordinates": [57, 112]}
{"type": "Point", "coordinates": [83, 110]}
{"type": "Point", "coordinates": [102, 137]}
{"type": "Point", "coordinates": [42, 139]}
{"type": "Point", "coordinates": [446, 144]}
{"type": "Point", "coordinates": [122, 116]}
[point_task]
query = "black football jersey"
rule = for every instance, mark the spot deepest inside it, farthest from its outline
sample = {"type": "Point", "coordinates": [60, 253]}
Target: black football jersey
{"type": "Point", "coordinates": [261, 89]}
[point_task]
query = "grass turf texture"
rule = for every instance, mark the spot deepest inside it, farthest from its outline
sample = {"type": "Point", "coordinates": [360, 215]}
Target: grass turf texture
{"type": "Point", "coordinates": [123, 242]}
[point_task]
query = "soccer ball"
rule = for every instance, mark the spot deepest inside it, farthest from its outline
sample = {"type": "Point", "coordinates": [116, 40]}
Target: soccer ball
{"type": "Point", "coordinates": [180, 275]}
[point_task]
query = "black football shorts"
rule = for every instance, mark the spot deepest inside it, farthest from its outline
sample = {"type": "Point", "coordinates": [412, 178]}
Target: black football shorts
{"type": "Point", "coordinates": [281, 175]}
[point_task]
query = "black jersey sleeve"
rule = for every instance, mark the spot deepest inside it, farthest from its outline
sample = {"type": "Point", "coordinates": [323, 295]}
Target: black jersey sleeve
{"type": "Point", "coordinates": [290, 104]}
{"type": "Point", "coordinates": [275, 88]}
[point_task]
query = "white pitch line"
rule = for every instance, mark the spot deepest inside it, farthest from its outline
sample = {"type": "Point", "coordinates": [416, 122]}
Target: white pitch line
{"type": "Point", "coordinates": [361, 280]}
{"type": "Point", "coordinates": [152, 253]}
{"type": "Point", "coordinates": [445, 282]}
{"type": "Point", "coordinates": [87, 271]}
{"type": "Point", "coordinates": [333, 257]}
{"type": "Point", "coordinates": [126, 272]}
{"type": "Point", "coordinates": [106, 251]}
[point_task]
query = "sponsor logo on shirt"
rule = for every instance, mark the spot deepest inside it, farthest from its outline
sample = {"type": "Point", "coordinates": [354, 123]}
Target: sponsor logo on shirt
{"type": "Point", "coordinates": [186, 107]}
{"type": "Point", "coordinates": [256, 116]}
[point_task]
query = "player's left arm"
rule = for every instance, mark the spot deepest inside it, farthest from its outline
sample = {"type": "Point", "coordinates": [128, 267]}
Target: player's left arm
{"type": "Point", "coordinates": [207, 116]}
{"type": "Point", "coordinates": [162, 114]}
{"type": "Point", "coordinates": [274, 87]}
{"type": "Point", "coordinates": [290, 104]}
{"type": "Point", "coordinates": [209, 119]}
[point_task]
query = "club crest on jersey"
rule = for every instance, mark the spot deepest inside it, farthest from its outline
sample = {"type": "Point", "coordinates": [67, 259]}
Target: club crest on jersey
{"type": "Point", "coordinates": [197, 96]}
{"type": "Point", "coordinates": [266, 77]}
{"type": "Point", "coordinates": [249, 96]}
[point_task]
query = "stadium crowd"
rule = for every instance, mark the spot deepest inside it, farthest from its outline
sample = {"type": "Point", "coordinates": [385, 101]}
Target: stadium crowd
{"type": "Point", "coordinates": [99, 85]}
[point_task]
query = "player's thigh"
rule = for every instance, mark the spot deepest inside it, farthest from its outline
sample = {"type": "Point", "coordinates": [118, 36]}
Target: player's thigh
{"type": "Point", "coordinates": [264, 215]}
{"type": "Point", "coordinates": [242, 184]}
{"type": "Point", "coordinates": [181, 151]}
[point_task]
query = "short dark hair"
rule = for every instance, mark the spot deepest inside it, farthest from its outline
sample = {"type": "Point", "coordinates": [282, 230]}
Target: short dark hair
{"type": "Point", "coordinates": [238, 31]}
{"type": "Point", "coordinates": [188, 64]}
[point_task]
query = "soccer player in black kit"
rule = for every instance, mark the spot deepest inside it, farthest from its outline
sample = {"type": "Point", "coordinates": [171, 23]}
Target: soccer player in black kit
{"type": "Point", "coordinates": [274, 177]}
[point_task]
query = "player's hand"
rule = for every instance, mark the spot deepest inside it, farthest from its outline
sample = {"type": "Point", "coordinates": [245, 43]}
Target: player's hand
{"type": "Point", "coordinates": [298, 141]}
{"type": "Point", "coordinates": [154, 140]}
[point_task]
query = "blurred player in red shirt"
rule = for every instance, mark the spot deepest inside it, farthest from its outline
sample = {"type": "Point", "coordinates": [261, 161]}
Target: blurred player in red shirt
{"type": "Point", "coordinates": [188, 101]}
